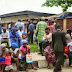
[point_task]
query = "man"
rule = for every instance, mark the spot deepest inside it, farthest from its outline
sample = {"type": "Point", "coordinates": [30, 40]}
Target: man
{"type": "Point", "coordinates": [22, 23]}
{"type": "Point", "coordinates": [59, 43]}
{"type": "Point", "coordinates": [5, 37]}
{"type": "Point", "coordinates": [18, 23]}
{"type": "Point", "coordinates": [22, 35]}
{"type": "Point", "coordinates": [56, 23]}
{"type": "Point", "coordinates": [9, 27]}
{"type": "Point", "coordinates": [46, 39]}
{"type": "Point", "coordinates": [0, 30]}
{"type": "Point", "coordinates": [40, 29]}
{"type": "Point", "coordinates": [31, 29]}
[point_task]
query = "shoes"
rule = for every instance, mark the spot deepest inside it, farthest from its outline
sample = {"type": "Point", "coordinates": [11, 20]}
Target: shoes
{"type": "Point", "coordinates": [57, 70]}
{"type": "Point", "coordinates": [40, 53]}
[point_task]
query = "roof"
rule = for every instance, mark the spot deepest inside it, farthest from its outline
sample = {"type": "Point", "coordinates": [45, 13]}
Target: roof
{"type": "Point", "coordinates": [25, 13]}
{"type": "Point", "coordinates": [62, 15]}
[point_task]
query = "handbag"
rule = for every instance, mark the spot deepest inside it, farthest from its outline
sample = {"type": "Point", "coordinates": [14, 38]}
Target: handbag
{"type": "Point", "coordinates": [66, 62]}
{"type": "Point", "coordinates": [29, 58]}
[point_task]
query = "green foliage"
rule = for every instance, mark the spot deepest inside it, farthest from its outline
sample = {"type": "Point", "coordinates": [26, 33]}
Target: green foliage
{"type": "Point", "coordinates": [63, 3]}
{"type": "Point", "coordinates": [34, 47]}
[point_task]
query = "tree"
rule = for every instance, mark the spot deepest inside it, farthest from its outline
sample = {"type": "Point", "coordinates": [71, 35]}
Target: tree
{"type": "Point", "coordinates": [63, 3]}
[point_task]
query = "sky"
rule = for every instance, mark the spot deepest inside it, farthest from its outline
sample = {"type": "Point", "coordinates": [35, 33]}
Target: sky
{"type": "Point", "coordinates": [10, 6]}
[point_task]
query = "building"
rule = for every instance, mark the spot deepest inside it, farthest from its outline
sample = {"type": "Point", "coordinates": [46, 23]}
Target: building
{"type": "Point", "coordinates": [64, 19]}
{"type": "Point", "coordinates": [23, 15]}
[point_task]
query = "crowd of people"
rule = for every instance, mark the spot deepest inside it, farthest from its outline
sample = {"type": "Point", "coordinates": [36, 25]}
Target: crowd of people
{"type": "Point", "coordinates": [52, 41]}
{"type": "Point", "coordinates": [55, 44]}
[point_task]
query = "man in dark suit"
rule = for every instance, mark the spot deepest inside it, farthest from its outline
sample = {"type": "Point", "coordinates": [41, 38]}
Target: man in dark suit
{"type": "Point", "coordinates": [59, 43]}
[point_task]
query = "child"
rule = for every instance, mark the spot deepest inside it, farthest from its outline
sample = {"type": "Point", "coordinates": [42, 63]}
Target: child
{"type": "Point", "coordinates": [2, 62]}
{"type": "Point", "coordinates": [8, 62]}
{"type": "Point", "coordinates": [25, 49]}
{"type": "Point", "coordinates": [50, 56]}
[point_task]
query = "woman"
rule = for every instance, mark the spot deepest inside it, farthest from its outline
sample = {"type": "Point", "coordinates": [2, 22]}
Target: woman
{"type": "Point", "coordinates": [25, 49]}
{"type": "Point", "coordinates": [15, 54]}
{"type": "Point", "coordinates": [3, 51]}
{"type": "Point", "coordinates": [50, 56]}
{"type": "Point", "coordinates": [51, 25]}
{"type": "Point", "coordinates": [46, 40]}
{"type": "Point", "coordinates": [14, 36]}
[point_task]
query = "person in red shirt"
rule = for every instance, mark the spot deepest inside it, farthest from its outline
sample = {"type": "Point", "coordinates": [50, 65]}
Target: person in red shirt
{"type": "Point", "coordinates": [66, 52]}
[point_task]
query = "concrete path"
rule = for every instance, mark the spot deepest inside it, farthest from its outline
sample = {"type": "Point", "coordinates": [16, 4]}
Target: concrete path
{"type": "Point", "coordinates": [68, 69]}
{"type": "Point", "coordinates": [41, 62]}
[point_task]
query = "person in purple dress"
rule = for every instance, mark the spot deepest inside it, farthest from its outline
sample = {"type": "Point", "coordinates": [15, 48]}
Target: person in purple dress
{"type": "Point", "coordinates": [50, 56]}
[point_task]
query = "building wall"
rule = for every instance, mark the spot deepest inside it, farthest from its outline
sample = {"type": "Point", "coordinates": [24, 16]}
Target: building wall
{"type": "Point", "coordinates": [60, 21]}
{"type": "Point", "coordinates": [66, 23]}
{"type": "Point", "coordinates": [15, 18]}
{"type": "Point", "coordinates": [69, 23]}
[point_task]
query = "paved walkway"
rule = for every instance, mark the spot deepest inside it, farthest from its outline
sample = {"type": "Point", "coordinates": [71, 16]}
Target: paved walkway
{"type": "Point", "coordinates": [68, 69]}
{"type": "Point", "coordinates": [37, 57]}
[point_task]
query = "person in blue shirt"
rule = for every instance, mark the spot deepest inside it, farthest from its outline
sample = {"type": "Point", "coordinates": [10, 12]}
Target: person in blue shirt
{"type": "Point", "coordinates": [0, 29]}
{"type": "Point", "coordinates": [14, 36]}
{"type": "Point", "coordinates": [31, 29]}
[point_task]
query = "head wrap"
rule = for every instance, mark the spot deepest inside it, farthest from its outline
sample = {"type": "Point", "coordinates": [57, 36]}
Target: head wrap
{"type": "Point", "coordinates": [50, 19]}
{"type": "Point", "coordinates": [2, 45]}
{"type": "Point", "coordinates": [24, 41]}
{"type": "Point", "coordinates": [13, 28]}
{"type": "Point", "coordinates": [14, 45]}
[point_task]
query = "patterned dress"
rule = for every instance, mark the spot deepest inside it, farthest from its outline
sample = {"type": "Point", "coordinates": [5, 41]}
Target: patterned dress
{"type": "Point", "coordinates": [41, 30]}
{"type": "Point", "coordinates": [48, 57]}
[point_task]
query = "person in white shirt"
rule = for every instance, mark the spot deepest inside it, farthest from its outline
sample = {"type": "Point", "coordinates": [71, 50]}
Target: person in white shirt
{"type": "Point", "coordinates": [22, 35]}
{"type": "Point", "coordinates": [18, 24]}
{"type": "Point", "coordinates": [5, 37]}
{"type": "Point", "coordinates": [14, 55]}
{"type": "Point", "coordinates": [68, 37]}
{"type": "Point", "coordinates": [70, 52]}
{"type": "Point", "coordinates": [9, 27]}
{"type": "Point", "coordinates": [46, 40]}
{"type": "Point", "coordinates": [22, 23]}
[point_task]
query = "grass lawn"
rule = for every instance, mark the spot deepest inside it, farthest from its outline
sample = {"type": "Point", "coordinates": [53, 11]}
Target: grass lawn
{"type": "Point", "coordinates": [34, 47]}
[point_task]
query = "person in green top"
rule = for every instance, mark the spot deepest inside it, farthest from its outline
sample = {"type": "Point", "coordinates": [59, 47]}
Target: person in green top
{"type": "Point", "coordinates": [40, 29]}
